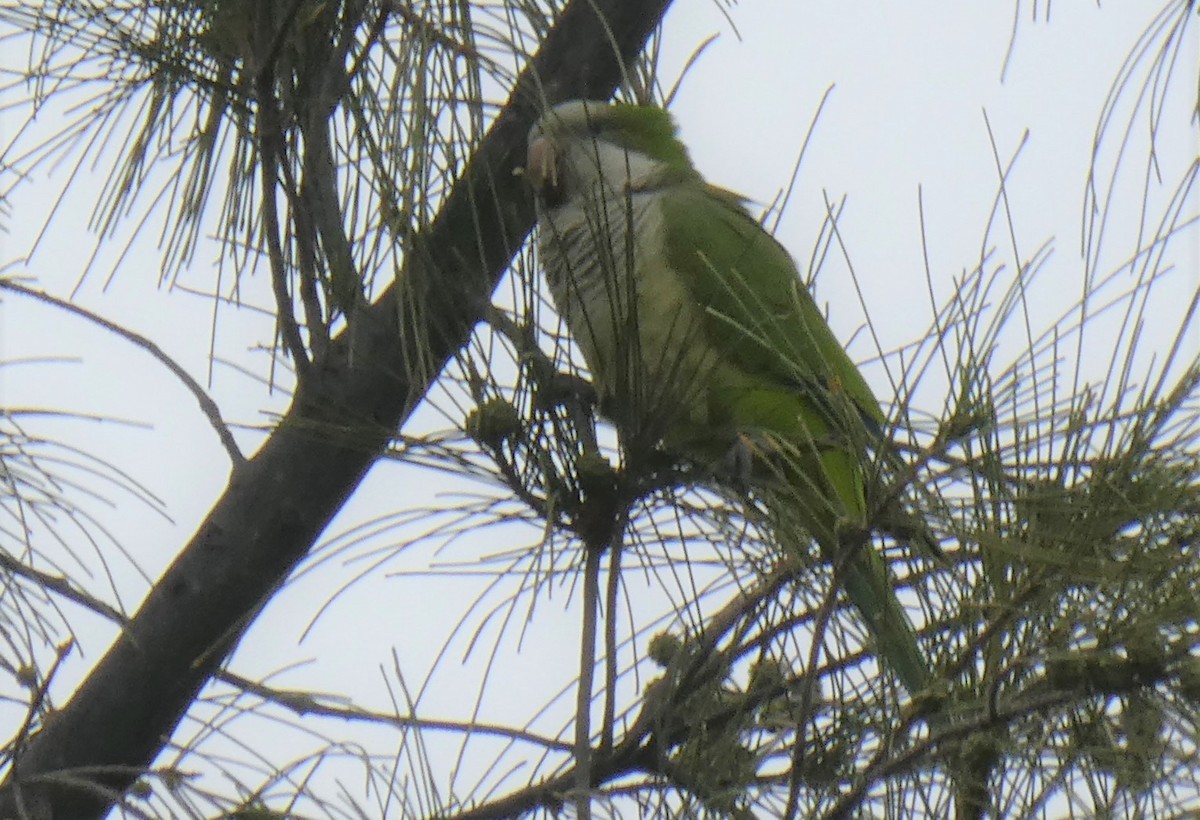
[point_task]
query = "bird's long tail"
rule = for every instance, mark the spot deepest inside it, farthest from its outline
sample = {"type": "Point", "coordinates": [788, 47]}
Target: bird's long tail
{"type": "Point", "coordinates": [837, 520]}
{"type": "Point", "coordinates": [863, 573]}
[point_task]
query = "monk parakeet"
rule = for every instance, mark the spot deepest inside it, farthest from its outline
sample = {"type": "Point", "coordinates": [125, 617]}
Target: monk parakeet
{"type": "Point", "coordinates": [703, 340]}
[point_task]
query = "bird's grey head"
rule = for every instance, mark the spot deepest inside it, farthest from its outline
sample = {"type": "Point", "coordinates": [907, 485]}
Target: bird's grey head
{"type": "Point", "coordinates": [591, 148]}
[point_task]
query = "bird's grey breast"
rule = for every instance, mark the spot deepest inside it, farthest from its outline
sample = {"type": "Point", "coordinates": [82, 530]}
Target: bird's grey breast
{"type": "Point", "coordinates": [590, 248]}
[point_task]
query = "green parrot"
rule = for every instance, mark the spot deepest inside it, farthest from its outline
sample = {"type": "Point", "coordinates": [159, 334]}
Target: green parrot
{"type": "Point", "coordinates": [703, 340]}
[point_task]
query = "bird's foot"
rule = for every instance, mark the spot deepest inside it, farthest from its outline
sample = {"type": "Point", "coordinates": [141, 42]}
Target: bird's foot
{"type": "Point", "coordinates": [737, 465]}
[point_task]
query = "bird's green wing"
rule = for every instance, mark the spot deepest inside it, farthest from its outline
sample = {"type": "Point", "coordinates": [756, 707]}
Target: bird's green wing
{"type": "Point", "coordinates": [760, 311]}
{"type": "Point", "coordinates": [791, 376]}
{"type": "Point", "coordinates": [785, 373]}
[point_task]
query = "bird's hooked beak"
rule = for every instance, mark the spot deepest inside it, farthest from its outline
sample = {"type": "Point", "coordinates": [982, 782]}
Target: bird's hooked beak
{"type": "Point", "coordinates": [541, 169]}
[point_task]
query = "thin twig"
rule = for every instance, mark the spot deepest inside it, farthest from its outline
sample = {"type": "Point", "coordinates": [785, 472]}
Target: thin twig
{"type": "Point", "coordinates": [268, 132]}
{"type": "Point", "coordinates": [207, 405]}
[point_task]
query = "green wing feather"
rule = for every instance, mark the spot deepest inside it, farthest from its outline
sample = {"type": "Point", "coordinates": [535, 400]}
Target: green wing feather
{"type": "Point", "coordinates": [786, 373]}
{"type": "Point", "coordinates": [784, 379]}
{"type": "Point", "coordinates": [753, 283]}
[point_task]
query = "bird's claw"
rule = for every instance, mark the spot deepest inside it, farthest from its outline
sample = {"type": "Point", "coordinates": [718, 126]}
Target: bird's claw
{"type": "Point", "coordinates": [737, 465]}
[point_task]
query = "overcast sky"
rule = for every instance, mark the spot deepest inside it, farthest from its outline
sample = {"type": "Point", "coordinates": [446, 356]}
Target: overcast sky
{"type": "Point", "coordinates": [909, 85]}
